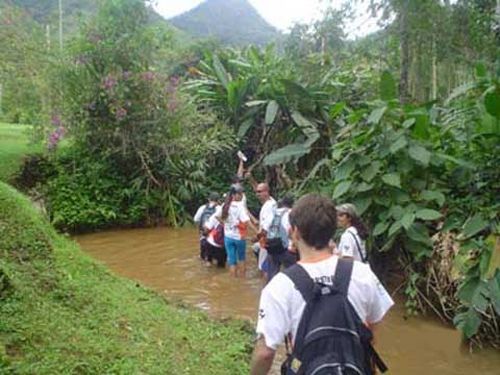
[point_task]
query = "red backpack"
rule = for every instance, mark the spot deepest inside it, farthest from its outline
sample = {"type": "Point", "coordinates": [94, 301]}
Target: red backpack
{"type": "Point", "coordinates": [218, 234]}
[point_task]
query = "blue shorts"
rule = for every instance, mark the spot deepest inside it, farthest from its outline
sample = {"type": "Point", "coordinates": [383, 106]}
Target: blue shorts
{"type": "Point", "coordinates": [235, 250]}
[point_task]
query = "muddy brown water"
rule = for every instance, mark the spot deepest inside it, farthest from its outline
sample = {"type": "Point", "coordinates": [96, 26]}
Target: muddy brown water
{"type": "Point", "coordinates": [167, 260]}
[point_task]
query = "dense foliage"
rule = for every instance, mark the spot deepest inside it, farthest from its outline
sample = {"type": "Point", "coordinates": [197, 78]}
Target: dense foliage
{"type": "Point", "coordinates": [404, 123]}
{"type": "Point", "coordinates": [132, 128]}
{"type": "Point", "coordinates": [418, 171]}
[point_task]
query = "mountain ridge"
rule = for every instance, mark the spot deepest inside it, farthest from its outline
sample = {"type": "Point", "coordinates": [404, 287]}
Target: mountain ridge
{"type": "Point", "coordinates": [234, 22]}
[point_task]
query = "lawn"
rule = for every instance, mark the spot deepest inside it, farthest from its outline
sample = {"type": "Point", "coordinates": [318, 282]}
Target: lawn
{"type": "Point", "coordinates": [15, 141]}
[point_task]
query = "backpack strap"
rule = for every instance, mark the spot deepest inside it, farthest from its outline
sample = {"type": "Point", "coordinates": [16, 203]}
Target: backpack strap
{"type": "Point", "coordinates": [306, 286]}
{"type": "Point", "coordinates": [363, 259]}
{"type": "Point", "coordinates": [342, 276]}
{"type": "Point", "coordinates": [341, 282]}
{"type": "Point", "coordinates": [301, 280]}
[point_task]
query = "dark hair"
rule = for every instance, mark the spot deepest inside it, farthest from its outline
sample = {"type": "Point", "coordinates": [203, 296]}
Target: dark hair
{"type": "Point", "coordinates": [226, 205]}
{"type": "Point", "coordinates": [213, 196]}
{"type": "Point", "coordinates": [234, 189]}
{"type": "Point", "coordinates": [286, 201]}
{"type": "Point", "coordinates": [315, 217]}
{"type": "Point", "coordinates": [360, 227]}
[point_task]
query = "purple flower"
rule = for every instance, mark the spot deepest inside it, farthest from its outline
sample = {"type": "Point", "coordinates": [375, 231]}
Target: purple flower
{"type": "Point", "coordinates": [121, 113]}
{"type": "Point", "coordinates": [148, 76]}
{"type": "Point", "coordinates": [55, 137]}
{"type": "Point", "coordinates": [56, 120]}
{"type": "Point", "coordinates": [109, 82]}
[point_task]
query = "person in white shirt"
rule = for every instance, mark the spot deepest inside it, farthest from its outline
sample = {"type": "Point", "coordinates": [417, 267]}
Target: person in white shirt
{"type": "Point", "coordinates": [266, 216]}
{"type": "Point", "coordinates": [313, 222]}
{"type": "Point", "coordinates": [284, 254]}
{"type": "Point", "coordinates": [352, 241]}
{"type": "Point", "coordinates": [215, 240]}
{"type": "Point", "coordinates": [202, 215]}
{"type": "Point", "coordinates": [236, 222]}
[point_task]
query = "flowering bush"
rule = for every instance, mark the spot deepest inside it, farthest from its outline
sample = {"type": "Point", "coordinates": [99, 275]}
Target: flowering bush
{"type": "Point", "coordinates": [127, 113]}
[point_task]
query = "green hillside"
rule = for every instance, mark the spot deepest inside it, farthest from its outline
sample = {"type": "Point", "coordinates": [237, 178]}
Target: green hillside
{"type": "Point", "coordinates": [62, 313]}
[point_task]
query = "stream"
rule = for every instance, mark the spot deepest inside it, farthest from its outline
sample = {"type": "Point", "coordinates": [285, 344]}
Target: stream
{"type": "Point", "coordinates": [166, 260]}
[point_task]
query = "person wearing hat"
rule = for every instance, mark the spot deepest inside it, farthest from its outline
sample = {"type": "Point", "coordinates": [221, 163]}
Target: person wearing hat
{"type": "Point", "coordinates": [352, 241]}
{"type": "Point", "coordinates": [201, 217]}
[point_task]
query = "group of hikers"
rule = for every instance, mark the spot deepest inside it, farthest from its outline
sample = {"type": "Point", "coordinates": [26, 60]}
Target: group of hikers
{"type": "Point", "coordinates": [325, 302]}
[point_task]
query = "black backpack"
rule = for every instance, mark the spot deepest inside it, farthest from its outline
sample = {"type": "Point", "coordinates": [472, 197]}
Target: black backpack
{"type": "Point", "coordinates": [331, 338]}
{"type": "Point", "coordinates": [205, 215]}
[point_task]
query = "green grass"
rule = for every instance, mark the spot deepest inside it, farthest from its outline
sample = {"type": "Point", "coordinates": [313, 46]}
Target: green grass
{"type": "Point", "coordinates": [62, 313]}
{"type": "Point", "coordinates": [15, 142]}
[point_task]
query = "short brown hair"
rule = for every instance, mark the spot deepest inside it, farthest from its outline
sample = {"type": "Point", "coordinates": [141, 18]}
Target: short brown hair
{"type": "Point", "coordinates": [316, 219]}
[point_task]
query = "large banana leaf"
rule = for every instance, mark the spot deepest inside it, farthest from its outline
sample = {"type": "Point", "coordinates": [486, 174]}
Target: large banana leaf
{"type": "Point", "coordinates": [271, 111]}
{"type": "Point", "coordinates": [288, 153]}
{"type": "Point", "coordinates": [220, 71]}
{"type": "Point", "coordinates": [307, 127]}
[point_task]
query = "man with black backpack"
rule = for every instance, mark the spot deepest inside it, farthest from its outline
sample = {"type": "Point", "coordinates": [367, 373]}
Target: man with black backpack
{"type": "Point", "coordinates": [324, 308]}
{"type": "Point", "coordinates": [201, 217]}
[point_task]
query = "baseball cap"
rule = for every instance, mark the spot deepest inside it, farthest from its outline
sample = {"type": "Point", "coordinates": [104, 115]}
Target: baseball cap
{"type": "Point", "coordinates": [213, 196]}
{"type": "Point", "coordinates": [347, 208]}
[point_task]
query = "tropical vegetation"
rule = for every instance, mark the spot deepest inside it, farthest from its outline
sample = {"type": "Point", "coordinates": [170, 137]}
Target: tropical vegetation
{"type": "Point", "coordinates": [404, 123]}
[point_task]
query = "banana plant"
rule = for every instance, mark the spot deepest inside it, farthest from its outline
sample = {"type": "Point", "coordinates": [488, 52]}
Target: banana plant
{"type": "Point", "coordinates": [259, 94]}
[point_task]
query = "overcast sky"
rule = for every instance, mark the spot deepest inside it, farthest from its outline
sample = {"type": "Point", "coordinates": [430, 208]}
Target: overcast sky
{"type": "Point", "coordinates": [279, 13]}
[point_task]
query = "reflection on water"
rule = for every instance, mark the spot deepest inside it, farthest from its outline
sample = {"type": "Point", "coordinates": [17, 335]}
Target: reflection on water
{"type": "Point", "coordinates": [167, 260]}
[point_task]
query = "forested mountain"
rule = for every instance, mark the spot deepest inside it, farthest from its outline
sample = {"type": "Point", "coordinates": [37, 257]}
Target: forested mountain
{"type": "Point", "coordinates": [233, 22]}
{"type": "Point", "coordinates": [46, 12]}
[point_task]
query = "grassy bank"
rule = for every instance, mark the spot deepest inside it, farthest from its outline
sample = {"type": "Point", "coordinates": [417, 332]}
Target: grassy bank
{"type": "Point", "coordinates": [15, 142]}
{"type": "Point", "coordinates": [60, 312]}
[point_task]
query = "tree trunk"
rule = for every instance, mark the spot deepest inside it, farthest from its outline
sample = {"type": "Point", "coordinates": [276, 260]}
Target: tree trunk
{"type": "Point", "coordinates": [434, 69]}
{"type": "Point", "coordinates": [60, 25]}
{"type": "Point", "coordinates": [323, 50]}
{"type": "Point", "coordinates": [47, 36]}
{"type": "Point", "coordinates": [404, 53]}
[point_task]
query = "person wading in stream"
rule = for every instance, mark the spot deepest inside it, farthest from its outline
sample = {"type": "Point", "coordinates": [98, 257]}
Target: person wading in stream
{"type": "Point", "coordinates": [236, 222]}
{"type": "Point", "coordinates": [323, 293]}
{"type": "Point", "coordinates": [352, 241]}
{"type": "Point", "coordinates": [266, 216]}
{"type": "Point", "coordinates": [201, 217]}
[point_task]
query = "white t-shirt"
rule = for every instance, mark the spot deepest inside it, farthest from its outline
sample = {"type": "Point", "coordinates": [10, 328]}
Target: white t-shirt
{"type": "Point", "coordinates": [199, 212]}
{"type": "Point", "coordinates": [266, 214]}
{"type": "Point", "coordinates": [235, 226]}
{"type": "Point", "coordinates": [285, 219]}
{"type": "Point", "coordinates": [281, 304]}
{"type": "Point", "coordinates": [211, 224]}
{"type": "Point", "coordinates": [348, 246]}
